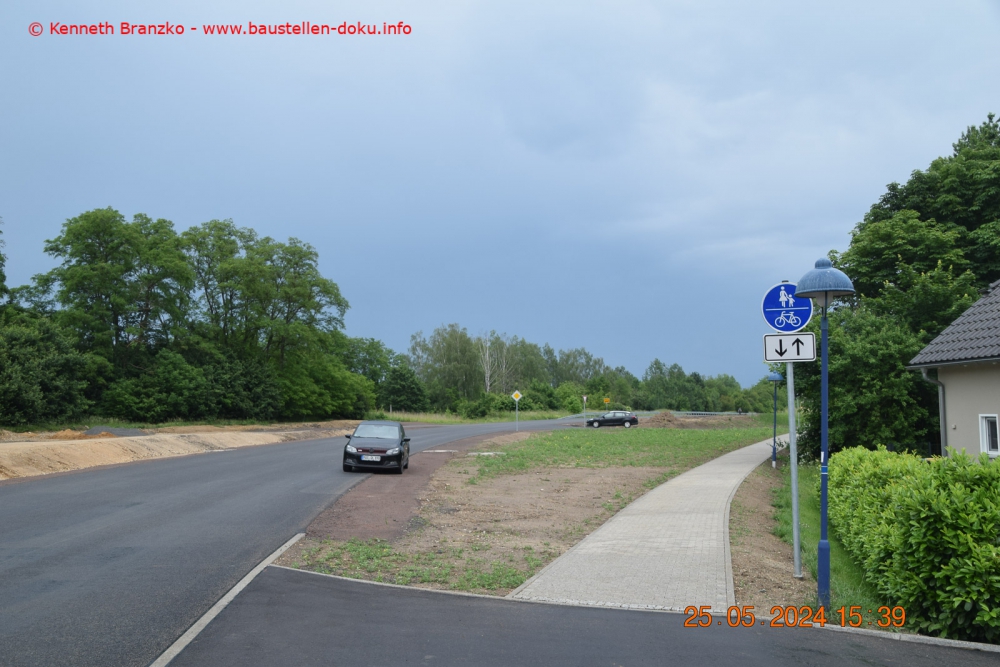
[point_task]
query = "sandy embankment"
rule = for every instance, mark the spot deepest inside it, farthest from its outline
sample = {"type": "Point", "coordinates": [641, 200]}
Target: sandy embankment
{"type": "Point", "coordinates": [41, 457]}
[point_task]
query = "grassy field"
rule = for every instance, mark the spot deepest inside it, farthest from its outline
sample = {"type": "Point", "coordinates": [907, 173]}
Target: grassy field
{"type": "Point", "coordinates": [674, 449]}
{"type": "Point", "coordinates": [475, 566]}
{"type": "Point", "coordinates": [847, 585]}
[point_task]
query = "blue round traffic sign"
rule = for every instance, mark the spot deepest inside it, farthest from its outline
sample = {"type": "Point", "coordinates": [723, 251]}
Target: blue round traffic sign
{"type": "Point", "coordinates": [785, 312]}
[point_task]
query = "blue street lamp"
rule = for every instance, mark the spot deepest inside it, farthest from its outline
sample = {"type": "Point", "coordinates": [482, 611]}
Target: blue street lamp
{"type": "Point", "coordinates": [774, 377]}
{"type": "Point", "coordinates": [824, 284]}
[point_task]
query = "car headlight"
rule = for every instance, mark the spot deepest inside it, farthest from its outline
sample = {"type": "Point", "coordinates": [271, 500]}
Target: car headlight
{"type": "Point", "coordinates": [352, 449]}
{"type": "Point", "coordinates": [393, 451]}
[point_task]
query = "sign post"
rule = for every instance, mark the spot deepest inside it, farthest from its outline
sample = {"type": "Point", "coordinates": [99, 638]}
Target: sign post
{"type": "Point", "coordinates": [793, 454]}
{"type": "Point", "coordinates": [517, 402]}
{"type": "Point", "coordinates": [584, 409]}
{"type": "Point", "coordinates": [787, 314]}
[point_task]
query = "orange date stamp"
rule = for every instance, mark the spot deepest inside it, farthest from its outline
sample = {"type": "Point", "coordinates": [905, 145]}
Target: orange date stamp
{"type": "Point", "coordinates": [791, 616]}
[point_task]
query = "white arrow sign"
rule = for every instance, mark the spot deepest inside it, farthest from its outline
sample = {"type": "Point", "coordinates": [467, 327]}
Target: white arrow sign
{"type": "Point", "coordinates": [790, 347]}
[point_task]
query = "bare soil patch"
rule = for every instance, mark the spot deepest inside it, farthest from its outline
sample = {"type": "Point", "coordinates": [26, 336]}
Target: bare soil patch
{"type": "Point", "coordinates": [385, 505]}
{"type": "Point", "coordinates": [763, 562]}
{"type": "Point", "coordinates": [668, 419]}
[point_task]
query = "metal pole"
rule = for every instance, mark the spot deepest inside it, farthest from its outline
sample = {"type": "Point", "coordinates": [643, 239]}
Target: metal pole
{"type": "Point", "coordinates": [793, 454]}
{"type": "Point", "coordinates": [774, 439]}
{"type": "Point", "coordinates": [516, 406]}
{"type": "Point", "coordinates": [823, 552]}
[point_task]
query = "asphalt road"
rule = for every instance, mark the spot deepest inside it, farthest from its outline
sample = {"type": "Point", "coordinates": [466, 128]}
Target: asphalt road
{"type": "Point", "coordinates": [288, 617]}
{"type": "Point", "coordinates": [109, 566]}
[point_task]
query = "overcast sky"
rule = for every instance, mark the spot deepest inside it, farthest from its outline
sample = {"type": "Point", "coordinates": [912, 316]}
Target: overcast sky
{"type": "Point", "coordinates": [625, 176]}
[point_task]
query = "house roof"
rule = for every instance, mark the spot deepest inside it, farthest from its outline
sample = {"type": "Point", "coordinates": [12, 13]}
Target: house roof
{"type": "Point", "coordinates": [973, 336]}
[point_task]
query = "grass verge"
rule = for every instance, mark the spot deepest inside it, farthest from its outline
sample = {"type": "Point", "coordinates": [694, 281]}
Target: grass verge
{"type": "Point", "coordinates": [457, 568]}
{"type": "Point", "coordinates": [847, 584]}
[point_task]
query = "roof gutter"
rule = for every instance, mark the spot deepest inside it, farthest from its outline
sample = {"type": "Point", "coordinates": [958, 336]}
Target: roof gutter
{"type": "Point", "coordinates": [958, 362]}
{"type": "Point", "coordinates": [941, 410]}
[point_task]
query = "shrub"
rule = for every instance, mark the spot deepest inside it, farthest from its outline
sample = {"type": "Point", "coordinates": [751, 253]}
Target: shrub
{"type": "Point", "coordinates": [927, 535]}
{"type": "Point", "coordinates": [171, 389]}
{"type": "Point", "coordinates": [42, 377]}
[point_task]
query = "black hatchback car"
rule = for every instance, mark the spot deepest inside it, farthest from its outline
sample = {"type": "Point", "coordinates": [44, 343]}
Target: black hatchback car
{"type": "Point", "coordinates": [377, 445]}
{"type": "Point", "coordinates": [614, 418]}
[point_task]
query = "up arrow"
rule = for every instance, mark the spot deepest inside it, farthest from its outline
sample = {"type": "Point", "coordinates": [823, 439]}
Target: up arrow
{"type": "Point", "coordinates": [798, 345]}
{"type": "Point", "coordinates": [781, 348]}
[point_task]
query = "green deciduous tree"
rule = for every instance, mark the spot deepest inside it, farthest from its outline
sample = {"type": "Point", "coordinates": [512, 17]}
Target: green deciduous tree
{"type": "Point", "coordinates": [448, 364]}
{"type": "Point", "coordinates": [403, 390]}
{"type": "Point", "coordinates": [874, 399]}
{"type": "Point", "coordinates": [43, 378]}
{"type": "Point", "coordinates": [891, 251]}
{"type": "Point", "coordinates": [958, 191]}
{"type": "Point", "coordinates": [122, 285]}
{"type": "Point", "coordinates": [917, 260]}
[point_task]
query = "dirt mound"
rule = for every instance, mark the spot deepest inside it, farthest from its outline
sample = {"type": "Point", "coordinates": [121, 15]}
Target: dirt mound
{"type": "Point", "coordinates": [668, 419]}
{"type": "Point", "coordinates": [72, 450]}
{"type": "Point", "coordinates": [70, 434]}
{"type": "Point", "coordinates": [660, 420]}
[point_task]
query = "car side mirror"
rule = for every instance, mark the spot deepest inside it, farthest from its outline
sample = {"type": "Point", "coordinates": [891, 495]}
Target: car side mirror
{"type": "Point", "coordinates": [406, 439]}
{"type": "Point", "coordinates": [348, 436]}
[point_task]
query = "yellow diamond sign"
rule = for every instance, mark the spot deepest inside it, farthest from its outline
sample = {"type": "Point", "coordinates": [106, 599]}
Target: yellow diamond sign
{"type": "Point", "coordinates": [516, 395]}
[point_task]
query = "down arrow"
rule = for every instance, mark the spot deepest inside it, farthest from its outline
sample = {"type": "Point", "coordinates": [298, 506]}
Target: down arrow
{"type": "Point", "coordinates": [781, 348]}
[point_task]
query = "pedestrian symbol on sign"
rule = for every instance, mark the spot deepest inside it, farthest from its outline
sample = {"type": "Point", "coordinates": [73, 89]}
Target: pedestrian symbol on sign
{"type": "Point", "coordinates": [787, 301]}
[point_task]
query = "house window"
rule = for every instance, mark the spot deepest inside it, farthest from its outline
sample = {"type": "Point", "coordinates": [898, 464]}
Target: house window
{"type": "Point", "coordinates": [988, 434]}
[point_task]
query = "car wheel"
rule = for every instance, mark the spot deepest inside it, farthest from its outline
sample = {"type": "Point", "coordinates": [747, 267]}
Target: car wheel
{"type": "Point", "coordinates": [596, 424]}
{"type": "Point", "coordinates": [407, 466]}
{"type": "Point", "coordinates": [348, 468]}
{"type": "Point", "coordinates": [399, 470]}
{"type": "Point", "coordinates": [628, 424]}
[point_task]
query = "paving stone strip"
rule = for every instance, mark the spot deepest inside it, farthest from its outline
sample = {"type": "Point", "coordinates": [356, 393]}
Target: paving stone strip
{"type": "Point", "coordinates": [667, 550]}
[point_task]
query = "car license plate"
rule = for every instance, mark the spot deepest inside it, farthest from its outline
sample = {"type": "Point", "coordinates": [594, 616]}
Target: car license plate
{"type": "Point", "coordinates": [367, 457]}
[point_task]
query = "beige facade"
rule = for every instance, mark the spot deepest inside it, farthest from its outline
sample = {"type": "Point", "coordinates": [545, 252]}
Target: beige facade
{"type": "Point", "coordinates": [972, 404]}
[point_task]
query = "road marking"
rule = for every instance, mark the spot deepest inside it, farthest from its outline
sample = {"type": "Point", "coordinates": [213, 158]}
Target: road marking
{"type": "Point", "coordinates": [438, 451]}
{"type": "Point", "coordinates": [217, 608]}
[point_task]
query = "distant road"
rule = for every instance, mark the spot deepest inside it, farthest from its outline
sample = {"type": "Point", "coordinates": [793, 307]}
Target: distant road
{"type": "Point", "coordinates": [109, 566]}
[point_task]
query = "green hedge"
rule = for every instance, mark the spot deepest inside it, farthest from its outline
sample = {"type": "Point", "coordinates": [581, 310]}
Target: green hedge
{"type": "Point", "coordinates": [927, 534]}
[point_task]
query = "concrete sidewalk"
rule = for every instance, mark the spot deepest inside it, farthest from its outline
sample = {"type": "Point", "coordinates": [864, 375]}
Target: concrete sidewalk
{"type": "Point", "coordinates": [667, 550]}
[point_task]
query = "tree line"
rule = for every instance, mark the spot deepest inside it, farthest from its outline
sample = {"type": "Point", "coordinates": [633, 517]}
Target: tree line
{"type": "Point", "coordinates": [145, 324]}
{"type": "Point", "coordinates": [475, 375]}
{"type": "Point", "coordinates": [922, 255]}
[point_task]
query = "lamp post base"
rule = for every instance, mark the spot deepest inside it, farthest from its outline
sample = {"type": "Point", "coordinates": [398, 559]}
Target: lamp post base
{"type": "Point", "coordinates": [823, 573]}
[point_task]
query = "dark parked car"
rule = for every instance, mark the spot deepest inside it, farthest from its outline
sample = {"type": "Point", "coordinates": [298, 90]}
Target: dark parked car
{"type": "Point", "coordinates": [377, 445]}
{"type": "Point", "coordinates": [614, 418]}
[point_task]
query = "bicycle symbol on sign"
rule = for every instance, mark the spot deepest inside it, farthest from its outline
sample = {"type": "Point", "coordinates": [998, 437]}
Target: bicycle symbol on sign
{"type": "Point", "coordinates": [788, 319]}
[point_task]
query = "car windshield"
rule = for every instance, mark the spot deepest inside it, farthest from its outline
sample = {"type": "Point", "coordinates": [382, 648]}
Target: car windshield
{"type": "Point", "coordinates": [385, 431]}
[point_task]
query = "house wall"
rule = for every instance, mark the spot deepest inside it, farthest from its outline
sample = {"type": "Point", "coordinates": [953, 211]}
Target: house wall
{"type": "Point", "coordinates": [970, 390]}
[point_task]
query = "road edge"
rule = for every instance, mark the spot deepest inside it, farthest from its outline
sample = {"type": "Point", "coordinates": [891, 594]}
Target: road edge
{"type": "Point", "coordinates": [890, 636]}
{"type": "Point", "coordinates": [181, 643]}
